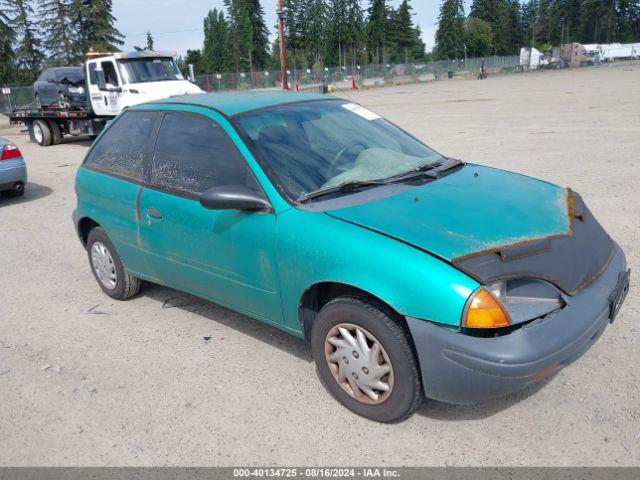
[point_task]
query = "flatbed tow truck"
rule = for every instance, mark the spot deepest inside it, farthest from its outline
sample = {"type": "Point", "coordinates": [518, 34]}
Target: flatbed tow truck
{"type": "Point", "coordinates": [113, 82]}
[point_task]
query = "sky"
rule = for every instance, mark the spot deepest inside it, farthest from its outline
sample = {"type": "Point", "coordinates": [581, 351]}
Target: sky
{"type": "Point", "coordinates": [176, 25]}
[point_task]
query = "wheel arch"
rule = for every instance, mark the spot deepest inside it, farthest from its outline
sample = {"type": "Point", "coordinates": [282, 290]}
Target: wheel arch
{"type": "Point", "coordinates": [84, 227]}
{"type": "Point", "coordinates": [319, 294]}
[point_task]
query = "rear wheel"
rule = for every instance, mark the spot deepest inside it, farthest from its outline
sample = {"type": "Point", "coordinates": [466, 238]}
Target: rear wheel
{"type": "Point", "coordinates": [107, 267]}
{"type": "Point", "coordinates": [42, 133]}
{"type": "Point", "coordinates": [56, 133]}
{"type": "Point", "coordinates": [364, 358]}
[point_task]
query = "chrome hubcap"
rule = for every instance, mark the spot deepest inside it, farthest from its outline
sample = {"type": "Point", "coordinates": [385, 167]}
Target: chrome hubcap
{"type": "Point", "coordinates": [359, 363]}
{"type": "Point", "coordinates": [37, 133]}
{"type": "Point", "coordinates": [103, 265]}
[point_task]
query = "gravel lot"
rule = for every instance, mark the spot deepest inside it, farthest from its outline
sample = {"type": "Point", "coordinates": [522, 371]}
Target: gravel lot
{"type": "Point", "coordinates": [134, 383]}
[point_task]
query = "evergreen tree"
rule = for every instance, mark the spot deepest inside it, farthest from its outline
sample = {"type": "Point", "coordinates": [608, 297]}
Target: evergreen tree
{"type": "Point", "coordinates": [216, 43]}
{"type": "Point", "coordinates": [260, 33]}
{"type": "Point", "coordinates": [241, 37]}
{"type": "Point", "coordinates": [193, 57]}
{"type": "Point", "coordinates": [292, 33]}
{"type": "Point", "coordinates": [336, 31]}
{"type": "Point", "coordinates": [94, 24]}
{"type": "Point", "coordinates": [496, 13]}
{"type": "Point", "coordinates": [29, 56]}
{"type": "Point", "coordinates": [345, 31]}
{"type": "Point", "coordinates": [450, 33]}
{"type": "Point", "coordinates": [57, 30]}
{"type": "Point", "coordinates": [312, 22]}
{"type": "Point", "coordinates": [7, 38]}
{"type": "Point", "coordinates": [150, 43]}
{"type": "Point", "coordinates": [514, 27]}
{"type": "Point", "coordinates": [403, 36]}
{"type": "Point", "coordinates": [377, 27]}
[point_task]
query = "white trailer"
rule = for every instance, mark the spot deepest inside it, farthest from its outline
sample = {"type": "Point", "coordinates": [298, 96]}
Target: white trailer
{"type": "Point", "coordinates": [530, 58]}
{"type": "Point", "coordinates": [616, 51]}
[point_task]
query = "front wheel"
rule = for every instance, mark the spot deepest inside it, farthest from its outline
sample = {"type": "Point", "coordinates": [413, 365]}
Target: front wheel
{"type": "Point", "coordinates": [107, 267]}
{"type": "Point", "coordinates": [364, 358]}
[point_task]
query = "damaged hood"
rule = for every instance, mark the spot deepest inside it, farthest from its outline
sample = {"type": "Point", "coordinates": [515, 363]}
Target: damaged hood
{"type": "Point", "coordinates": [493, 224]}
{"type": "Point", "coordinates": [474, 209]}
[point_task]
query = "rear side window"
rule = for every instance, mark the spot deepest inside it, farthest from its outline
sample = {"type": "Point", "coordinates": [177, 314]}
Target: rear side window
{"type": "Point", "coordinates": [123, 148]}
{"type": "Point", "coordinates": [193, 154]}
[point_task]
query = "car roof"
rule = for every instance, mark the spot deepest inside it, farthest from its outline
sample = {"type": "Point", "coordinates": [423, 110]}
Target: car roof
{"type": "Point", "coordinates": [235, 103]}
{"type": "Point", "coordinates": [64, 68]}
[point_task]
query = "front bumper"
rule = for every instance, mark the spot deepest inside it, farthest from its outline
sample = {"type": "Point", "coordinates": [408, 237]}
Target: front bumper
{"type": "Point", "coordinates": [12, 174]}
{"type": "Point", "coordinates": [461, 369]}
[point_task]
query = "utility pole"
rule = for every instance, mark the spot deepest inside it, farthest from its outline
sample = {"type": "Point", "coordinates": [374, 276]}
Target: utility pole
{"type": "Point", "coordinates": [283, 47]}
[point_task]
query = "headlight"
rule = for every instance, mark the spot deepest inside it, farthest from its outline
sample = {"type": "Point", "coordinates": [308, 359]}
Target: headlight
{"type": "Point", "coordinates": [510, 302]}
{"type": "Point", "coordinates": [76, 89]}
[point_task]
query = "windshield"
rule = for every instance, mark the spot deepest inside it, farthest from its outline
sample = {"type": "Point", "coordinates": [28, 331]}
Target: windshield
{"type": "Point", "coordinates": [141, 70]}
{"type": "Point", "coordinates": [314, 146]}
{"type": "Point", "coordinates": [73, 75]}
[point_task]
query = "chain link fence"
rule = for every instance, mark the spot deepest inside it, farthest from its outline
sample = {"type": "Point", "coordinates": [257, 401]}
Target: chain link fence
{"type": "Point", "coordinates": [316, 78]}
{"type": "Point", "coordinates": [363, 76]}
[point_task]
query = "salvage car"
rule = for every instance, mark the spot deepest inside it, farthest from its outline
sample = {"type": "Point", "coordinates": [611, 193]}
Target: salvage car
{"type": "Point", "coordinates": [411, 273]}
{"type": "Point", "coordinates": [13, 170]}
{"type": "Point", "coordinates": [62, 87]}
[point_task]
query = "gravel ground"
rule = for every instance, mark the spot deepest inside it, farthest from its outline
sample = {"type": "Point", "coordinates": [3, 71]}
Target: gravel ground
{"type": "Point", "coordinates": [88, 381]}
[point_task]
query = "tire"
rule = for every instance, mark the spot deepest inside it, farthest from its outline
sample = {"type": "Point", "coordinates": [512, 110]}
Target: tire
{"type": "Point", "coordinates": [56, 133]}
{"type": "Point", "coordinates": [124, 285]}
{"type": "Point", "coordinates": [404, 389]}
{"type": "Point", "coordinates": [42, 133]}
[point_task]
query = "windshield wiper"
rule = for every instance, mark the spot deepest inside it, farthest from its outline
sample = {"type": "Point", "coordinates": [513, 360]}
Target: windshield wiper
{"type": "Point", "coordinates": [343, 187]}
{"type": "Point", "coordinates": [427, 170]}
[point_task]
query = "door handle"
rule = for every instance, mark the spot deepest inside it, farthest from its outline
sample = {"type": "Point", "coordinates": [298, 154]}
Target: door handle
{"type": "Point", "coordinates": [154, 213]}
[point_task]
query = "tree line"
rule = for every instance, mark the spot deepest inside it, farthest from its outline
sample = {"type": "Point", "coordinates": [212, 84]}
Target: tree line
{"type": "Point", "coordinates": [39, 33]}
{"type": "Point", "coordinates": [502, 27]}
{"type": "Point", "coordinates": [35, 34]}
{"type": "Point", "coordinates": [318, 33]}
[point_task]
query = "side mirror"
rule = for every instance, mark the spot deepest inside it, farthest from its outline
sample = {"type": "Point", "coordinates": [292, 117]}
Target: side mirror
{"type": "Point", "coordinates": [236, 197]}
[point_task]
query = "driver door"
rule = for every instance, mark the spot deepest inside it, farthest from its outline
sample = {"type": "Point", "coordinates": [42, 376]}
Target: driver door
{"type": "Point", "coordinates": [227, 256]}
{"type": "Point", "coordinates": [104, 102]}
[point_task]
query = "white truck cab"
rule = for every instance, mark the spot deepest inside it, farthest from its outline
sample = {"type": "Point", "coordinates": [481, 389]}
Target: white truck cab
{"type": "Point", "coordinates": [119, 80]}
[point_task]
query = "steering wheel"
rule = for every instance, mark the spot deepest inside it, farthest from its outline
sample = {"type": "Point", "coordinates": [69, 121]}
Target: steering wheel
{"type": "Point", "coordinates": [335, 163]}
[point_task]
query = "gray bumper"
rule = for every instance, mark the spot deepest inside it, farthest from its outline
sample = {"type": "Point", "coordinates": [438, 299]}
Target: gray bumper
{"type": "Point", "coordinates": [9, 175]}
{"type": "Point", "coordinates": [462, 369]}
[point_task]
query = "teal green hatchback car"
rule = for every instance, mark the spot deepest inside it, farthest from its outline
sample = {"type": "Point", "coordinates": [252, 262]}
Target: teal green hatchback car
{"type": "Point", "coordinates": [410, 273]}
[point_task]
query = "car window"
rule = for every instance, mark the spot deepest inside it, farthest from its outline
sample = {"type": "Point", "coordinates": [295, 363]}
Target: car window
{"type": "Point", "coordinates": [73, 75]}
{"type": "Point", "coordinates": [312, 146]}
{"type": "Point", "coordinates": [110, 75]}
{"type": "Point", "coordinates": [43, 76]}
{"type": "Point", "coordinates": [193, 154]}
{"type": "Point", "coordinates": [122, 149]}
{"type": "Point", "coordinates": [93, 78]}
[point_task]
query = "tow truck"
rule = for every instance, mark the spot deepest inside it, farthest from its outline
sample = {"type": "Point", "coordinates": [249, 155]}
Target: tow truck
{"type": "Point", "coordinates": [113, 82]}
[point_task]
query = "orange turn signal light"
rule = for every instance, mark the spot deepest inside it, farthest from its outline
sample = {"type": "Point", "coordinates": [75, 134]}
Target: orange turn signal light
{"type": "Point", "coordinates": [485, 311]}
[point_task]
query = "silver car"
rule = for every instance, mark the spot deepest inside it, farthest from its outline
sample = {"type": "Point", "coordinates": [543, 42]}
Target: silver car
{"type": "Point", "coordinates": [13, 170]}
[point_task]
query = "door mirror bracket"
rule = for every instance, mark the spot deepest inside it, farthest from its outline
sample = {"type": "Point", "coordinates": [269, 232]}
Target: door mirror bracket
{"type": "Point", "coordinates": [236, 197]}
